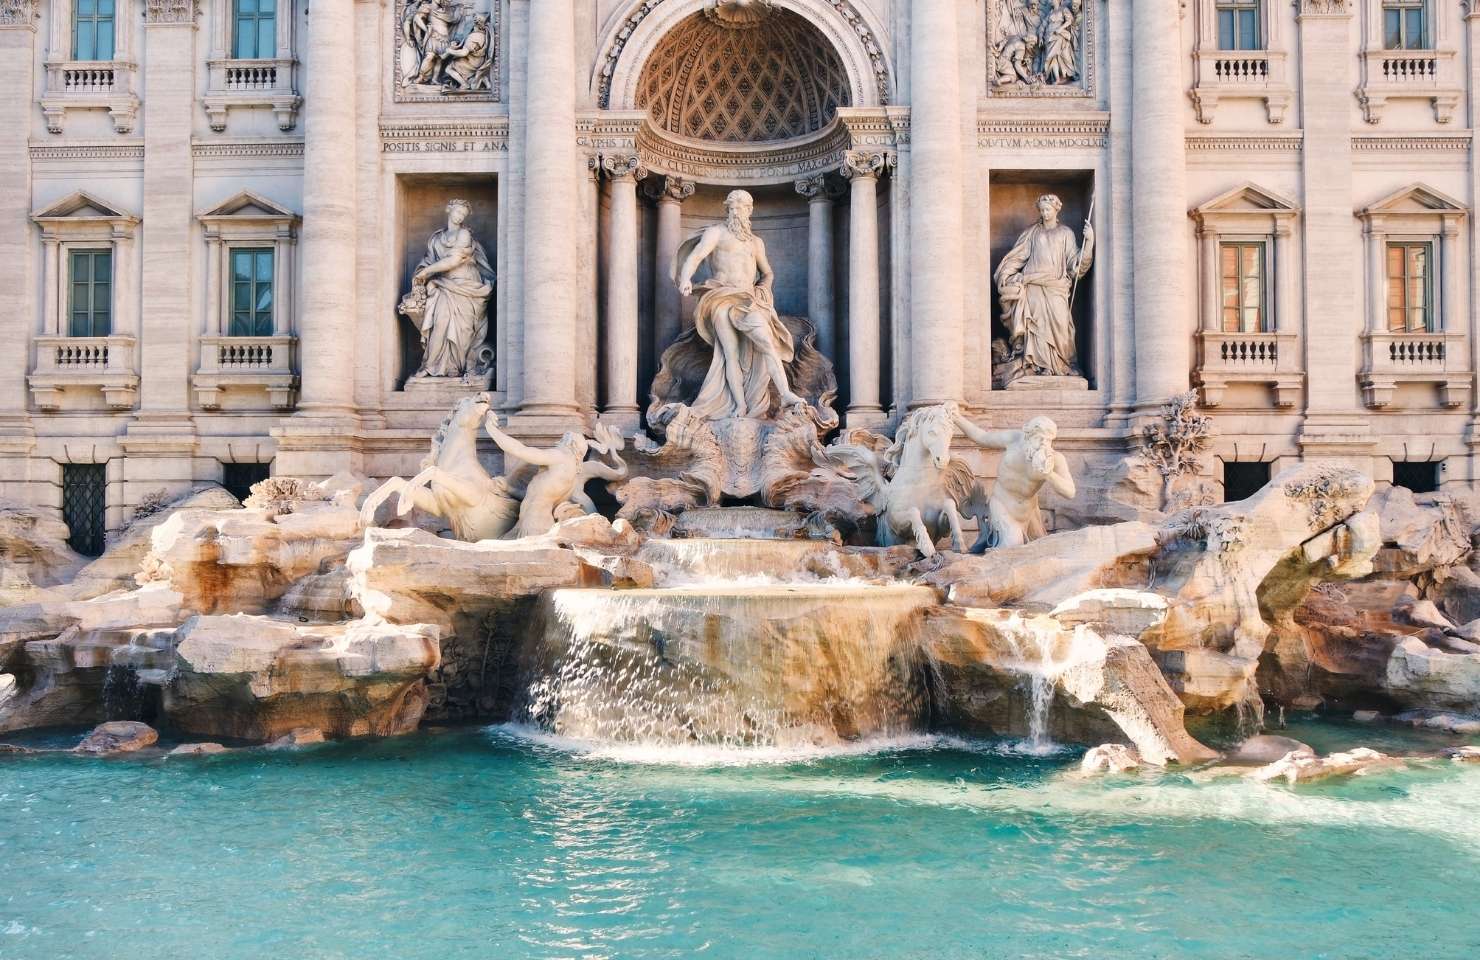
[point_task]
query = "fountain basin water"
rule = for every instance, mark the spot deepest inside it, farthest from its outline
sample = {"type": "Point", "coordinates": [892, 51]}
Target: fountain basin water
{"type": "Point", "coordinates": [732, 665]}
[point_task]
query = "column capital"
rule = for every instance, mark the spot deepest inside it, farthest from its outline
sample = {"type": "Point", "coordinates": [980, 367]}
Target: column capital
{"type": "Point", "coordinates": [867, 163]}
{"type": "Point", "coordinates": [623, 166]}
{"type": "Point", "coordinates": [668, 189]}
{"type": "Point", "coordinates": [19, 13]}
{"type": "Point", "coordinates": [171, 11]}
{"type": "Point", "coordinates": [813, 188]}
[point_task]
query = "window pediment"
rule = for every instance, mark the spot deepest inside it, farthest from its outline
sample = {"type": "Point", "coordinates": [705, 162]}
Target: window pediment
{"type": "Point", "coordinates": [81, 212]}
{"type": "Point", "coordinates": [1417, 199]}
{"type": "Point", "coordinates": [247, 208]}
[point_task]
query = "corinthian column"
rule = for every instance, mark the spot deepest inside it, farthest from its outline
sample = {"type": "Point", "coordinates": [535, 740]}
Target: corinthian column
{"type": "Point", "coordinates": [937, 305]}
{"type": "Point", "coordinates": [670, 192]}
{"type": "Point", "coordinates": [863, 171]}
{"type": "Point", "coordinates": [550, 210]}
{"type": "Point", "coordinates": [327, 328]}
{"type": "Point", "coordinates": [17, 243]}
{"type": "Point", "coordinates": [1159, 203]}
{"type": "Point", "coordinates": [619, 406]}
{"type": "Point", "coordinates": [820, 309]}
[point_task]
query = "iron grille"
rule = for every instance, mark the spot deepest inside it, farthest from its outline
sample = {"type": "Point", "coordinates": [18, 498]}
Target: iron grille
{"type": "Point", "coordinates": [238, 478]}
{"type": "Point", "coordinates": [85, 506]}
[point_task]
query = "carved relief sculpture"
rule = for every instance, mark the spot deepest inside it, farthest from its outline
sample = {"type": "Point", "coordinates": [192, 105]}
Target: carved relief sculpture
{"type": "Point", "coordinates": [448, 301]}
{"type": "Point", "coordinates": [1036, 282]}
{"type": "Point", "coordinates": [1037, 42]}
{"type": "Point", "coordinates": [17, 13]}
{"type": "Point", "coordinates": [737, 317]}
{"type": "Point", "coordinates": [445, 48]}
{"type": "Point", "coordinates": [1012, 515]}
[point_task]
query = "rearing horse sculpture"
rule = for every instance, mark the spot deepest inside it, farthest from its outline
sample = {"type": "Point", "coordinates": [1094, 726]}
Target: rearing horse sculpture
{"type": "Point", "coordinates": [915, 485]}
{"type": "Point", "coordinates": [538, 487]}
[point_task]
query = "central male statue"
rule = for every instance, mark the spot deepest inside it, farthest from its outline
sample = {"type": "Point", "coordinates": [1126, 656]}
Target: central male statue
{"type": "Point", "coordinates": [737, 317]}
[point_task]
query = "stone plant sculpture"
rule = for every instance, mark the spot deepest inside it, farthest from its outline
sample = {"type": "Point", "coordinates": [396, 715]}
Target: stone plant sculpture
{"type": "Point", "coordinates": [1175, 446]}
{"type": "Point", "coordinates": [1029, 462]}
{"type": "Point", "coordinates": [538, 488]}
{"type": "Point", "coordinates": [916, 486]}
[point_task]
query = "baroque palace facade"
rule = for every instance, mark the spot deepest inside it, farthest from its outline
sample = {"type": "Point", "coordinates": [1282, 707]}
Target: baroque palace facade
{"type": "Point", "coordinates": [221, 221]}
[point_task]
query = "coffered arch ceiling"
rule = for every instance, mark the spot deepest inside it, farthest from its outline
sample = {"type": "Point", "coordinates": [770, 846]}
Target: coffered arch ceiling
{"type": "Point", "coordinates": [776, 79]}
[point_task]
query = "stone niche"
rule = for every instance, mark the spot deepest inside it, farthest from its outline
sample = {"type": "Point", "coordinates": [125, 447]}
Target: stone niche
{"type": "Point", "coordinates": [781, 220]}
{"type": "Point", "coordinates": [1014, 209]}
{"type": "Point", "coordinates": [421, 210]}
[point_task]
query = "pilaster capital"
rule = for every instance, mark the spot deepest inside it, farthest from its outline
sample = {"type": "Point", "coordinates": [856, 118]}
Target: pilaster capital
{"type": "Point", "coordinates": [18, 13]}
{"type": "Point", "coordinates": [623, 166]}
{"type": "Point", "coordinates": [871, 164]}
{"type": "Point", "coordinates": [171, 11]}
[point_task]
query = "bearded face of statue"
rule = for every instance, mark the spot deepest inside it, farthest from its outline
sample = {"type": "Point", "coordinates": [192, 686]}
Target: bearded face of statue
{"type": "Point", "coordinates": [738, 208]}
{"type": "Point", "coordinates": [1038, 437]}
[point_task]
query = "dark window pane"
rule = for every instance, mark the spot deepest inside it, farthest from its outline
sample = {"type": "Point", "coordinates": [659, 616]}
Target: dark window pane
{"type": "Point", "coordinates": [85, 47]}
{"type": "Point", "coordinates": [266, 38]}
{"type": "Point", "coordinates": [1226, 38]}
{"type": "Point", "coordinates": [1249, 30]}
{"type": "Point", "coordinates": [105, 40]}
{"type": "Point", "coordinates": [1392, 29]}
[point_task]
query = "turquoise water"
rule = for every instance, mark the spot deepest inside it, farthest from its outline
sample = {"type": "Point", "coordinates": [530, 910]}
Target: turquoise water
{"type": "Point", "coordinates": [487, 844]}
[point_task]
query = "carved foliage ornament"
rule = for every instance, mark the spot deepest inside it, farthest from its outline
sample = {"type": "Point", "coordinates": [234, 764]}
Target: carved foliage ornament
{"type": "Point", "coordinates": [17, 13]}
{"type": "Point", "coordinates": [866, 163]}
{"type": "Point", "coordinates": [1039, 47]}
{"type": "Point", "coordinates": [446, 49]}
{"type": "Point", "coordinates": [170, 11]}
{"type": "Point", "coordinates": [1324, 6]}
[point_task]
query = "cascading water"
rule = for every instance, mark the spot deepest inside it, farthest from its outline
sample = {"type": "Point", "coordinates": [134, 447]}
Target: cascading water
{"type": "Point", "coordinates": [1043, 650]}
{"type": "Point", "coordinates": [737, 666]}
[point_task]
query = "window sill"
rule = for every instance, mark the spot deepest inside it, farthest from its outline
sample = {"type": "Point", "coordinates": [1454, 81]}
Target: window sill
{"type": "Point", "coordinates": [264, 363]}
{"type": "Point", "coordinates": [1241, 75]}
{"type": "Point", "coordinates": [1409, 75]}
{"type": "Point", "coordinates": [1393, 359]}
{"type": "Point", "coordinates": [252, 83]}
{"type": "Point", "coordinates": [80, 364]}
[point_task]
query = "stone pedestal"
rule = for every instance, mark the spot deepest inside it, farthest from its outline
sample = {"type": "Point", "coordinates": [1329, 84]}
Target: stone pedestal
{"type": "Point", "coordinates": [1040, 383]}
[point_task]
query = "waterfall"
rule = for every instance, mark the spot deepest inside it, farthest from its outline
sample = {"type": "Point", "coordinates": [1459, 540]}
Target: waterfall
{"type": "Point", "coordinates": [1042, 650]}
{"type": "Point", "coordinates": [740, 665]}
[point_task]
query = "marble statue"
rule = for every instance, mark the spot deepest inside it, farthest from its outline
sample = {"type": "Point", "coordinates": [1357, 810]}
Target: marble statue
{"type": "Point", "coordinates": [445, 48]}
{"type": "Point", "coordinates": [553, 486]}
{"type": "Point", "coordinates": [1012, 516]}
{"type": "Point", "coordinates": [538, 489]}
{"type": "Point", "coordinates": [449, 298]}
{"type": "Point", "coordinates": [1035, 282]}
{"type": "Point", "coordinates": [917, 488]}
{"type": "Point", "coordinates": [737, 317]}
{"type": "Point", "coordinates": [453, 483]}
{"type": "Point", "coordinates": [1036, 42]}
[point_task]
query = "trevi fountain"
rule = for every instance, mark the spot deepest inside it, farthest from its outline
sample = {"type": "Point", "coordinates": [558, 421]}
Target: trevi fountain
{"type": "Point", "coordinates": [770, 666]}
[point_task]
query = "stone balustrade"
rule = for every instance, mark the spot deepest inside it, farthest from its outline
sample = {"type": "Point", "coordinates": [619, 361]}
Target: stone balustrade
{"type": "Point", "coordinates": [1270, 359]}
{"type": "Point", "coordinates": [252, 83]}
{"type": "Point", "coordinates": [1394, 359]}
{"type": "Point", "coordinates": [263, 363]}
{"type": "Point", "coordinates": [78, 365]}
{"type": "Point", "coordinates": [86, 84]}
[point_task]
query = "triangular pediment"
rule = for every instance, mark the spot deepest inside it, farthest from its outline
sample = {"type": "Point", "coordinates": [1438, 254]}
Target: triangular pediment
{"type": "Point", "coordinates": [249, 206]}
{"type": "Point", "coordinates": [1246, 198]}
{"type": "Point", "coordinates": [81, 206]}
{"type": "Point", "coordinates": [1417, 198]}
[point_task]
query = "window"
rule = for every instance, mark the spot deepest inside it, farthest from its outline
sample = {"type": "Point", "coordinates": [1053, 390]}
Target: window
{"type": "Point", "coordinates": [239, 478]}
{"type": "Point", "coordinates": [1419, 476]}
{"type": "Point", "coordinates": [92, 29]}
{"type": "Point", "coordinates": [1242, 284]}
{"type": "Point", "coordinates": [85, 506]}
{"type": "Point", "coordinates": [1239, 26]}
{"type": "Point", "coordinates": [1410, 288]}
{"type": "Point", "coordinates": [251, 292]}
{"type": "Point", "coordinates": [254, 29]}
{"type": "Point", "coordinates": [90, 275]}
{"type": "Point", "coordinates": [1405, 25]}
{"type": "Point", "coordinates": [1243, 479]}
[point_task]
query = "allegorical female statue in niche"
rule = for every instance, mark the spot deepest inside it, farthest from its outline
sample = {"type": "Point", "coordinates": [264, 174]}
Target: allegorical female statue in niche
{"type": "Point", "coordinates": [448, 301]}
{"type": "Point", "coordinates": [1035, 282]}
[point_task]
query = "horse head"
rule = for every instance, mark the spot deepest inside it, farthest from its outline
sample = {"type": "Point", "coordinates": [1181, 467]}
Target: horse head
{"type": "Point", "coordinates": [927, 431]}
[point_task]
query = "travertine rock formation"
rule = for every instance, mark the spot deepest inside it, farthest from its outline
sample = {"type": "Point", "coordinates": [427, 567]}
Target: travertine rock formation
{"type": "Point", "coordinates": [33, 552]}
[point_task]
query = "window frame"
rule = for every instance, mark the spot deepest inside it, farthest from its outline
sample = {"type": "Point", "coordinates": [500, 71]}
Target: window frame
{"type": "Point", "coordinates": [256, 18]}
{"type": "Point", "coordinates": [94, 19]}
{"type": "Point", "coordinates": [1429, 246]}
{"type": "Point", "coordinates": [1239, 243]}
{"type": "Point", "coordinates": [1237, 11]}
{"type": "Point", "coordinates": [1403, 8]}
{"type": "Point", "coordinates": [92, 253]}
{"type": "Point", "coordinates": [255, 285]}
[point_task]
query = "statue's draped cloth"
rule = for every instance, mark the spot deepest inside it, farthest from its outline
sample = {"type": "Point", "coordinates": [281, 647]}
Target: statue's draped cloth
{"type": "Point", "coordinates": [455, 324]}
{"type": "Point", "coordinates": [1034, 280]}
{"type": "Point", "coordinates": [752, 312]}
